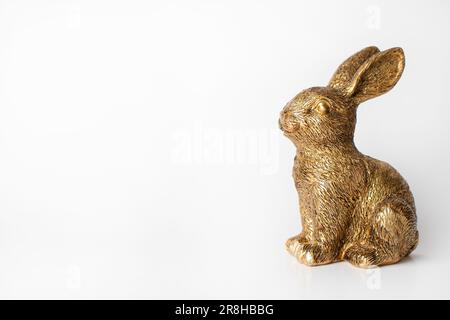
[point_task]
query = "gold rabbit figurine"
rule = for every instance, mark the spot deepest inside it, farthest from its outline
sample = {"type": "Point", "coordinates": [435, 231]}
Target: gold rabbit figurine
{"type": "Point", "coordinates": [353, 207]}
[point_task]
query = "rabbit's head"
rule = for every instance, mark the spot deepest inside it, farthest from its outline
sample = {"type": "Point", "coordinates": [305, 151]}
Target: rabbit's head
{"type": "Point", "coordinates": [327, 115]}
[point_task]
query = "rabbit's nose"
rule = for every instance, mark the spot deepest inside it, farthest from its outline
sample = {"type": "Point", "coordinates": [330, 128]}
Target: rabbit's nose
{"type": "Point", "coordinates": [279, 124]}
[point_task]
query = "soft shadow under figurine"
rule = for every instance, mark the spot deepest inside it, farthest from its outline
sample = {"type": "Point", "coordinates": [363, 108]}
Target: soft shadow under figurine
{"type": "Point", "coordinates": [353, 207]}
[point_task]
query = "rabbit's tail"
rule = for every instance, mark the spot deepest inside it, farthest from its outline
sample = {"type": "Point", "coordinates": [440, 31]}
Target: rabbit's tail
{"type": "Point", "coordinates": [415, 243]}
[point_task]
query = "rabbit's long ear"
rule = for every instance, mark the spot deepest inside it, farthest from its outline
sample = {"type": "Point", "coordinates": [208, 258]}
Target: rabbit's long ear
{"type": "Point", "coordinates": [345, 72]}
{"type": "Point", "coordinates": [377, 75]}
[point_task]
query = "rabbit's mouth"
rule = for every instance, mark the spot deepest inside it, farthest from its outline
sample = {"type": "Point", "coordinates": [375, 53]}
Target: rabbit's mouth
{"type": "Point", "coordinates": [288, 127]}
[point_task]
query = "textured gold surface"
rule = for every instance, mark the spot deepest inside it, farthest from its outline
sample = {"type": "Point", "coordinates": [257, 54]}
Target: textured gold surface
{"type": "Point", "coordinates": [353, 207]}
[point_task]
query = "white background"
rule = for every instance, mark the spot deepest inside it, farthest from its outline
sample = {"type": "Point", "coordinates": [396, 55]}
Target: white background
{"type": "Point", "coordinates": [140, 155]}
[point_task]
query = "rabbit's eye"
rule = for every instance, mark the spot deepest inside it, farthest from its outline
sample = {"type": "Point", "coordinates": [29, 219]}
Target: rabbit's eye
{"type": "Point", "coordinates": [323, 107]}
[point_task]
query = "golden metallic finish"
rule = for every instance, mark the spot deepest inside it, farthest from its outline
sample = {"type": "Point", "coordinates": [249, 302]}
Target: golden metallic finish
{"type": "Point", "coordinates": [353, 207]}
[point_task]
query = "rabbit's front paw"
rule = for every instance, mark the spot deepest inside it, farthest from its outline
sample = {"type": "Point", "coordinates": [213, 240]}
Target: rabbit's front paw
{"type": "Point", "coordinates": [293, 242]}
{"type": "Point", "coordinates": [362, 256]}
{"type": "Point", "coordinates": [308, 253]}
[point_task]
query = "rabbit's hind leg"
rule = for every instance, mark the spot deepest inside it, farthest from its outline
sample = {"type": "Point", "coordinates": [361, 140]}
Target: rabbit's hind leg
{"type": "Point", "coordinates": [391, 237]}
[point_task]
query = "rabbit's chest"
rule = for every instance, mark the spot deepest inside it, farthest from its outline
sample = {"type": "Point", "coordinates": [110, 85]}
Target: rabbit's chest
{"type": "Point", "coordinates": [321, 177]}
{"type": "Point", "coordinates": [309, 175]}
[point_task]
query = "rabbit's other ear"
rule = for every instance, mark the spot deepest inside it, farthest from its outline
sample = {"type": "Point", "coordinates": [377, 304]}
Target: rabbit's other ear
{"type": "Point", "coordinates": [377, 75]}
{"type": "Point", "coordinates": [345, 72]}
